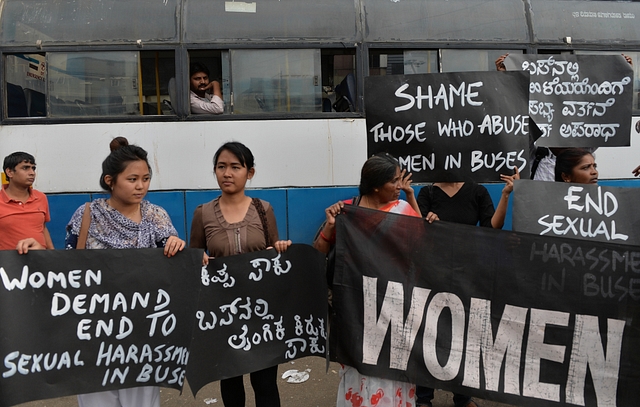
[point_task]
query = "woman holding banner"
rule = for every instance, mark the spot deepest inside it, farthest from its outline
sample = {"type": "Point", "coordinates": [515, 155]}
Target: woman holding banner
{"type": "Point", "coordinates": [576, 165]}
{"type": "Point", "coordinates": [233, 224]}
{"type": "Point", "coordinates": [467, 203]}
{"type": "Point", "coordinates": [123, 221]}
{"type": "Point", "coordinates": [381, 182]}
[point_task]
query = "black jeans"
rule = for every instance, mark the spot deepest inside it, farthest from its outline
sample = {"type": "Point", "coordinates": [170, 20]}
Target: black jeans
{"type": "Point", "coordinates": [265, 387]}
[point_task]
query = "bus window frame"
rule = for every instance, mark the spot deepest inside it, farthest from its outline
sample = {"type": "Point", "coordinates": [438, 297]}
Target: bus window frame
{"type": "Point", "coordinates": [184, 81]}
{"type": "Point", "coordinates": [7, 51]}
{"type": "Point", "coordinates": [181, 52]}
{"type": "Point", "coordinates": [182, 108]}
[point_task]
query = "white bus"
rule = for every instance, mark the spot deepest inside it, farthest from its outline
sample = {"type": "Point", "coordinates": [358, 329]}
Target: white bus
{"type": "Point", "coordinates": [76, 73]}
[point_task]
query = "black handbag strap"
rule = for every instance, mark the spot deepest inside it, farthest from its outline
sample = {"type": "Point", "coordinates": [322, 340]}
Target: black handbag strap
{"type": "Point", "coordinates": [263, 218]}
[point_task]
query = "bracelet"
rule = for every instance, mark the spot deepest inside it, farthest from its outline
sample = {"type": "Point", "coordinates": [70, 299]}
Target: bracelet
{"type": "Point", "coordinates": [326, 239]}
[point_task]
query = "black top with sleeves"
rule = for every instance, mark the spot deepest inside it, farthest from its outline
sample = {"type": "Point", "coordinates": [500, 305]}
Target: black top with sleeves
{"type": "Point", "coordinates": [472, 204]}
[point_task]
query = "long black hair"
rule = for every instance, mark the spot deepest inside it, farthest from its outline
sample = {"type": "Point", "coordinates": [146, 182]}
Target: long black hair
{"type": "Point", "coordinates": [377, 171]}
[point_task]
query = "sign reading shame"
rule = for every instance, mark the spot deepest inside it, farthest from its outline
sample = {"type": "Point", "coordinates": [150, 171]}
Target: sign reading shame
{"type": "Point", "coordinates": [81, 321]}
{"type": "Point", "coordinates": [578, 100]}
{"type": "Point", "coordinates": [579, 211]}
{"type": "Point", "coordinates": [518, 318]}
{"type": "Point", "coordinates": [448, 127]}
{"type": "Point", "coordinates": [257, 310]}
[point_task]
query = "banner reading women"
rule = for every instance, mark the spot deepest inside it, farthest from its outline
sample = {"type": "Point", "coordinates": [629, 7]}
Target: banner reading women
{"type": "Point", "coordinates": [517, 318]}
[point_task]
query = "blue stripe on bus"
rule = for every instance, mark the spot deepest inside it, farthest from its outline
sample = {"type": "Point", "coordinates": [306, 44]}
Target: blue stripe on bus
{"type": "Point", "coordinates": [299, 211]}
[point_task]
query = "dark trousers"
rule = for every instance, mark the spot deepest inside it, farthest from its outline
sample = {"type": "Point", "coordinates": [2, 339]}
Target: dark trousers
{"type": "Point", "coordinates": [265, 387]}
{"type": "Point", "coordinates": [424, 395]}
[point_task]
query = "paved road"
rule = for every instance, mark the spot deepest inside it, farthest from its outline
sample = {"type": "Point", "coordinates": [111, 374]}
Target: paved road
{"type": "Point", "coordinates": [318, 391]}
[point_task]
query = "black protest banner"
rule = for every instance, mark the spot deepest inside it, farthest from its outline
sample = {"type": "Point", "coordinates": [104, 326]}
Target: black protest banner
{"type": "Point", "coordinates": [518, 318]}
{"type": "Point", "coordinates": [81, 321]}
{"type": "Point", "coordinates": [578, 100]}
{"type": "Point", "coordinates": [579, 211]}
{"type": "Point", "coordinates": [448, 127]}
{"type": "Point", "coordinates": [257, 310]}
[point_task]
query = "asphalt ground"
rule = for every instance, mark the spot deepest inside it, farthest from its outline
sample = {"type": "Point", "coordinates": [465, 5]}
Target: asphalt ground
{"type": "Point", "coordinates": [318, 391]}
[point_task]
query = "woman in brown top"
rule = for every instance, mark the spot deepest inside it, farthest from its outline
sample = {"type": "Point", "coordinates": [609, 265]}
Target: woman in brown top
{"type": "Point", "coordinates": [232, 224]}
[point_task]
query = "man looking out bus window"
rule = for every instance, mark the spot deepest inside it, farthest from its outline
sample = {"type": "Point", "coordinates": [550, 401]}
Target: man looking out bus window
{"type": "Point", "coordinates": [23, 210]}
{"type": "Point", "coordinates": [205, 95]}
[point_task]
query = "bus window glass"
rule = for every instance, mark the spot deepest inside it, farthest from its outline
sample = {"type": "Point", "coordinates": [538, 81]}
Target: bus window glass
{"type": "Point", "coordinates": [402, 62]}
{"type": "Point", "coordinates": [276, 80]}
{"type": "Point", "coordinates": [94, 84]}
{"type": "Point", "coordinates": [209, 21]}
{"type": "Point", "coordinates": [48, 21]}
{"type": "Point", "coordinates": [636, 72]}
{"type": "Point", "coordinates": [158, 68]}
{"type": "Point", "coordinates": [445, 20]}
{"type": "Point", "coordinates": [338, 80]}
{"type": "Point", "coordinates": [25, 76]}
{"type": "Point", "coordinates": [419, 61]}
{"type": "Point", "coordinates": [587, 21]}
{"type": "Point", "coordinates": [469, 60]}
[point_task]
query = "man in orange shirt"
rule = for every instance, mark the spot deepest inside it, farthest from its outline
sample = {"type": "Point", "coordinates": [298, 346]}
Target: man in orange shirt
{"type": "Point", "coordinates": [23, 210]}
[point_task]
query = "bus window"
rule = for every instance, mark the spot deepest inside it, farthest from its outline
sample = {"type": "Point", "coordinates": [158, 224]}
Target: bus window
{"type": "Point", "coordinates": [338, 80]}
{"type": "Point", "coordinates": [25, 76]}
{"type": "Point", "coordinates": [402, 62]}
{"type": "Point", "coordinates": [91, 84]}
{"type": "Point", "coordinates": [158, 68]}
{"type": "Point", "coordinates": [212, 61]}
{"type": "Point", "coordinates": [468, 60]}
{"type": "Point", "coordinates": [418, 61]}
{"type": "Point", "coordinates": [276, 81]}
{"type": "Point", "coordinates": [281, 80]}
{"type": "Point", "coordinates": [94, 84]}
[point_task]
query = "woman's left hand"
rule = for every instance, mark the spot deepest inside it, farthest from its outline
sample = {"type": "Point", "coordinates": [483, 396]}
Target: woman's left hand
{"type": "Point", "coordinates": [508, 188]}
{"type": "Point", "coordinates": [30, 243]}
{"type": "Point", "coordinates": [174, 245]}
{"type": "Point", "coordinates": [405, 182]}
{"type": "Point", "coordinates": [282, 245]}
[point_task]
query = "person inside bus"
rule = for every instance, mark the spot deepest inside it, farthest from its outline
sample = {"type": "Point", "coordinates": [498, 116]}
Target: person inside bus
{"type": "Point", "coordinates": [24, 211]}
{"type": "Point", "coordinates": [205, 96]}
